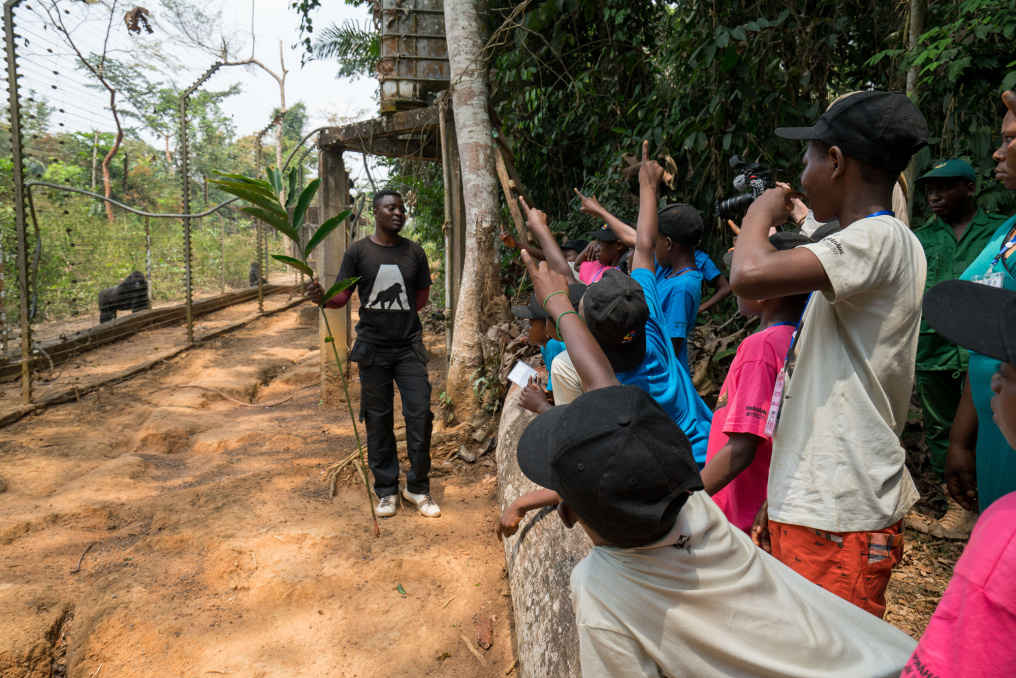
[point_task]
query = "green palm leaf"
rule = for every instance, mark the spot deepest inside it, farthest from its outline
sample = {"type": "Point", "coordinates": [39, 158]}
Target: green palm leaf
{"type": "Point", "coordinates": [291, 192]}
{"type": "Point", "coordinates": [339, 286]}
{"type": "Point", "coordinates": [254, 198]}
{"type": "Point", "coordinates": [324, 229]}
{"type": "Point", "coordinates": [273, 220]}
{"type": "Point", "coordinates": [295, 263]}
{"type": "Point", "coordinates": [303, 203]}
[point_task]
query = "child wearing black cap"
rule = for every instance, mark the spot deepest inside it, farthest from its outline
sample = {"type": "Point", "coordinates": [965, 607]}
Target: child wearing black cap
{"type": "Point", "coordinates": [543, 334]}
{"type": "Point", "coordinates": [972, 630]}
{"type": "Point", "coordinates": [608, 251]}
{"type": "Point", "coordinates": [670, 588]}
{"type": "Point", "coordinates": [838, 484]}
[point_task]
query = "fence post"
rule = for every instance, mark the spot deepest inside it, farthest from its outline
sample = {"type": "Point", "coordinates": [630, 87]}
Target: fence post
{"type": "Point", "coordinates": [18, 171]}
{"type": "Point", "coordinates": [148, 259]}
{"type": "Point", "coordinates": [188, 282]}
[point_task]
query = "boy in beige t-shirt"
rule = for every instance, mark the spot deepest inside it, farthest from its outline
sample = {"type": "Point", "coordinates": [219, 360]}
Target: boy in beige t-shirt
{"type": "Point", "coordinates": [838, 483]}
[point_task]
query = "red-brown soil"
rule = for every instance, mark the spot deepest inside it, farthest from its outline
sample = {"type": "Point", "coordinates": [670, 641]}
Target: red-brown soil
{"type": "Point", "coordinates": [217, 550]}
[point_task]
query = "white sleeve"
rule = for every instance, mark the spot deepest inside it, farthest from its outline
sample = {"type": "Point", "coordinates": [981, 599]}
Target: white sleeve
{"type": "Point", "coordinates": [607, 654]}
{"type": "Point", "coordinates": [566, 380]}
{"type": "Point", "coordinates": [858, 258]}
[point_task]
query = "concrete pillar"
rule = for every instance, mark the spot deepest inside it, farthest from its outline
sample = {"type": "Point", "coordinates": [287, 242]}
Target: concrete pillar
{"type": "Point", "coordinates": [333, 197]}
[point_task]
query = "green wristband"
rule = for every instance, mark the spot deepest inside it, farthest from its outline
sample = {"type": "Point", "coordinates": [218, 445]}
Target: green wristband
{"type": "Point", "coordinates": [549, 296]}
{"type": "Point", "coordinates": [558, 321]}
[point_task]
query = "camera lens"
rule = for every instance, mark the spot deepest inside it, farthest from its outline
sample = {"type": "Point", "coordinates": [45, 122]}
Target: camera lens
{"type": "Point", "coordinates": [731, 208]}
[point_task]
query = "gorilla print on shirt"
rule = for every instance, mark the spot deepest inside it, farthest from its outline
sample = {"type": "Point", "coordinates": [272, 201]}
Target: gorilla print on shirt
{"type": "Point", "coordinates": [389, 280]}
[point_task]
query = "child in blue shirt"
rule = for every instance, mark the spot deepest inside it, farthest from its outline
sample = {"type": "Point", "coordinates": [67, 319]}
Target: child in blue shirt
{"type": "Point", "coordinates": [711, 274]}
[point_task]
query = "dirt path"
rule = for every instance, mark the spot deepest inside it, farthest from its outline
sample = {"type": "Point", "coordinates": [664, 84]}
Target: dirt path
{"type": "Point", "coordinates": [217, 550]}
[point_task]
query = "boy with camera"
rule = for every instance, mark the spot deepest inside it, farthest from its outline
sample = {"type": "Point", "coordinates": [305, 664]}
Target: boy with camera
{"type": "Point", "coordinates": [838, 484]}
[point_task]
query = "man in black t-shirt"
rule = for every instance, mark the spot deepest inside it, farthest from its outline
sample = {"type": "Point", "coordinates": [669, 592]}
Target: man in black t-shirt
{"type": "Point", "coordinates": [394, 284]}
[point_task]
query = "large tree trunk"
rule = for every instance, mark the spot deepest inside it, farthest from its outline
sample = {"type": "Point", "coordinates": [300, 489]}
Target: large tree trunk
{"type": "Point", "coordinates": [540, 558]}
{"type": "Point", "coordinates": [480, 296]}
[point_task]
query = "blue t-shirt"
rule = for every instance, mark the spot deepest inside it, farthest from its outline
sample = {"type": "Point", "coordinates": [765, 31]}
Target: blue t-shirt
{"type": "Point", "coordinates": [705, 266]}
{"type": "Point", "coordinates": [549, 352]}
{"type": "Point", "coordinates": [996, 461]}
{"type": "Point", "coordinates": [662, 377]}
{"type": "Point", "coordinates": [680, 296]}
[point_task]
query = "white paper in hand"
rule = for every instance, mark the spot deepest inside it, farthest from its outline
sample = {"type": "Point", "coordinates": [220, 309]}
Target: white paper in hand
{"type": "Point", "coordinates": [521, 374]}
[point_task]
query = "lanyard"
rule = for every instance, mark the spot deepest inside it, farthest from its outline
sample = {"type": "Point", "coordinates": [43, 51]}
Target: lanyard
{"type": "Point", "coordinates": [793, 324]}
{"type": "Point", "coordinates": [681, 272]}
{"type": "Point", "coordinates": [881, 213]}
{"type": "Point", "coordinates": [1001, 253]}
{"type": "Point", "coordinates": [793, 339]}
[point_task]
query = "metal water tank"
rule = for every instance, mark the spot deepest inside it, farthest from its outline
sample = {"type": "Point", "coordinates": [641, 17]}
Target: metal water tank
{"type": "Point", "coordinates": [414, 55]}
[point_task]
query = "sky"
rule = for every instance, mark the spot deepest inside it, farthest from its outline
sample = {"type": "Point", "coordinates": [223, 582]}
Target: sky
{"type": "Point", "coordinates": [49, 67]}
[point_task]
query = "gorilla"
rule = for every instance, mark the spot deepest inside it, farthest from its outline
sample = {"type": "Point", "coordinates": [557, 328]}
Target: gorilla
{"type": "Point", "coordinates": [130, 295]}
{"type": "Point", "coordinates": [252, 274]}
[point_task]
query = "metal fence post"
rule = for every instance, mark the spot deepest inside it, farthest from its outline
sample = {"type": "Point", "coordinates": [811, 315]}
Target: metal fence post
{"type": "Point", "coordinates": [18, 171]}
{"type": "Point", "coordinates": [148, 259]}
{"type": "Point", "coordinates": [187, 276]}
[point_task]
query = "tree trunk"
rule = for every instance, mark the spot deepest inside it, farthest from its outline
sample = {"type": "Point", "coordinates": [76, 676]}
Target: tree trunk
{"type": "Point", "coordinates": [540, 558]}
{"type": "Point", "coordinates": [107, 184]}
{"type": "Point", "coordinates": [480, 295]}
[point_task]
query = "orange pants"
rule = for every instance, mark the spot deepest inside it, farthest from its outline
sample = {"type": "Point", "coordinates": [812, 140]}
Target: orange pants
{"type": "Point", "coordinates": [856, 566]}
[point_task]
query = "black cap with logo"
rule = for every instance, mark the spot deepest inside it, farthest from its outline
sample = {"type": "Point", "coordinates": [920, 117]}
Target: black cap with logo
{"type": "Point", "coordinates": [604, 235]}
{"type": "Point", "coordinates": [975, 316]}
{"type": "Point", "coordinates": [577, 245]}
{"type": "Point", "coordinates": [617, 459]}
{"type": "Point", "coordinates": [882, 129]}
{"type": "Point", "coordinates": [616, 312]}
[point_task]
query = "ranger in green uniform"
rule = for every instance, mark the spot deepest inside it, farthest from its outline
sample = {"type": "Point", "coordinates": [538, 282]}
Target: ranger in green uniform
{"type": "Point", "coordinates": [952, 239]}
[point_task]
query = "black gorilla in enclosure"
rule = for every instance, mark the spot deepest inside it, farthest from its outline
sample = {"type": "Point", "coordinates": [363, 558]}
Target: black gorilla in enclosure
{"type": "Point", "coordinates": [130, 295]}
{"type": "Point", "coordinates": [252, 274]}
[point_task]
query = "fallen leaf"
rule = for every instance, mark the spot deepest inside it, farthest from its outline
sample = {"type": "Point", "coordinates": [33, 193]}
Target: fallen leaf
{"type": "Point", "coordinates": [444, 655]}
{"type": "Point", "coordinates": [401, 590]}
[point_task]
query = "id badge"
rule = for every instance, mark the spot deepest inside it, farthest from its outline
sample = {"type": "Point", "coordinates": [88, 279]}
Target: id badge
{"type": "Point", "coordinates": [774, 403]}
{"type": "Point", "coordinates": [990, 279]}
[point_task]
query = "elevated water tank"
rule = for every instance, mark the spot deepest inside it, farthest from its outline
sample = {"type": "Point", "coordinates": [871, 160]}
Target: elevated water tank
{"type": "Point", "coordinates": [414, 55]}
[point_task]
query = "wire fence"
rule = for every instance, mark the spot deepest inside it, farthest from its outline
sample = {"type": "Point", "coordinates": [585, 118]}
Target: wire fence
{"type": "Point", "coordinates": [93, 228]}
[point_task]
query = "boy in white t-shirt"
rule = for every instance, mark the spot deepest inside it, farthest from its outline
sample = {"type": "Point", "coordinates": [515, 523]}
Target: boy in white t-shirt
{"type": "Point", "coordinates": [838, 483]}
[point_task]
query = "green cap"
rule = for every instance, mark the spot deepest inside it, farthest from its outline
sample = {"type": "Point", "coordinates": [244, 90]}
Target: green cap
{"type": "Point", "coordinates": [950, 169]}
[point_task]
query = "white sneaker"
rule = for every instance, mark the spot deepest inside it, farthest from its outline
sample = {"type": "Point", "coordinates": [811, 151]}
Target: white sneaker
{"type": "Point", "coordinates": [387, 507]}
{"type": "Point", "coordinates": [426, 505]}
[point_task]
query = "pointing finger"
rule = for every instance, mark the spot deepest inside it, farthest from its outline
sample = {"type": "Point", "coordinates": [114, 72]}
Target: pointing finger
{"type": "Point", "coordinates": [645, 150]}
{"type": "Point", "coordinates": [530, 264]}
{"type": "Point", "coordinates": [525, 207]}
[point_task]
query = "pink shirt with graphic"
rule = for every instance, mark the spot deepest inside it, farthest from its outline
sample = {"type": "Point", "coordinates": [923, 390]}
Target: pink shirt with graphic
{"type": "Point", "coordinates": [973, 630]}
{"type": "Point", "coordinates": [743, 407]}
{"type": "Point", "coordinates": [591, 271]}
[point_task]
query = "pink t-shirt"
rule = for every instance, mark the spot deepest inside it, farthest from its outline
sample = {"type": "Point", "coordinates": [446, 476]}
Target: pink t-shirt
{"type": "Point", "coordinates": [973, 630]}
{"type": "Point", "coordinates": [591, 271]}
{"type": "Point", "coordinates": [743, 407]}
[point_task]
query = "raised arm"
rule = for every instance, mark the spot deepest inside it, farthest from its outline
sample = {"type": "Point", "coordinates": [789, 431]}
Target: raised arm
{"type": "Point", "coordinates": [536, 222]}
{"type": "Point", "coordinates": [758, 270]}
{"type": "Point", "coordinates": [650, 175]}
{"type": "Point", "coordinates": [551, 289]}
{"type": "Point", "coordinates": [591, 206]}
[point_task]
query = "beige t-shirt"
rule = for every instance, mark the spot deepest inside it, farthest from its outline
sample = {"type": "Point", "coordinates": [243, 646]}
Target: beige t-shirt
{"type": "Point", "coordinates": [837, 460]}
{"type": "Point", "coordinates": [566, 380]}
{"type": "Point", "coordinates": [706, 602]}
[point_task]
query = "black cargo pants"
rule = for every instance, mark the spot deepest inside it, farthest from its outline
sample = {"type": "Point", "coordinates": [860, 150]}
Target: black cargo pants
{"type": "Point", "coordinates": [380, 367]}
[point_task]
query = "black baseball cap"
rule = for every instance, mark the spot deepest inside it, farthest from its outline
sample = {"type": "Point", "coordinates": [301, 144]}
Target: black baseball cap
{"type": "Point", "coordinates": [882, 129]}
{"type": "Point", "coordinates": [577, 245]}
{"type": "Point", "coordinates": [616, 312]}
{"type": "Point", "coordinates": [617, 459]}
{"type": "Point", "coordinates": [534, 311]}
{"type": "Point", "coordinates": [978, 317]}
{"type": "Point", "coordinates": [781, 240]}
{"type": "Point", "coordinates": [604, 234]}
{"type": "Point", "coordinates": [681, 223]}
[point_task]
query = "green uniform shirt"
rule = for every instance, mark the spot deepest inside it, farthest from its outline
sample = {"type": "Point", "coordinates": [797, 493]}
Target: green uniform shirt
{"type": "Point", "coordinates": [947, 259]}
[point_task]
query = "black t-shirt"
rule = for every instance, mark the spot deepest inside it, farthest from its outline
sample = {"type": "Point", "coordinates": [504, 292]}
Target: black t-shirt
{"type": "Point", "coordinates": [389, 280]}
